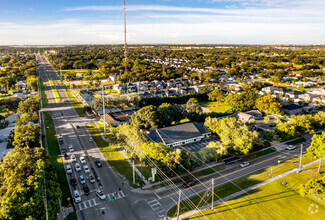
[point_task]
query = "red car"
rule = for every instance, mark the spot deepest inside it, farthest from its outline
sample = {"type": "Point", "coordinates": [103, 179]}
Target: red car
{"type": "Point", "coordinates": [73, 181]}
{"type": "Point", "coordinates": [188, 183]}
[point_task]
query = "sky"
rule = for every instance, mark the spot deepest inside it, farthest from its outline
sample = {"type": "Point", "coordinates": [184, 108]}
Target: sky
{"type": "Point", "coordinates": [39, 22]}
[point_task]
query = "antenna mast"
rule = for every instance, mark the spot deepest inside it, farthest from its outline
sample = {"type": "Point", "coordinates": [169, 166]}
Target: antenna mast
{"type": "Point", "coordinates": [125, 54]}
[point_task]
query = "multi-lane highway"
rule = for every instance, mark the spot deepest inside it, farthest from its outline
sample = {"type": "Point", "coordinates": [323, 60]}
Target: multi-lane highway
{"type": "Point", "coordinates": [121, 201]}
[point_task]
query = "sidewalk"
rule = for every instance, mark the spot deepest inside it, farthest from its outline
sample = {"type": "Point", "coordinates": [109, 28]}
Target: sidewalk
{"type": "Point", "coordinates": [244, 191]}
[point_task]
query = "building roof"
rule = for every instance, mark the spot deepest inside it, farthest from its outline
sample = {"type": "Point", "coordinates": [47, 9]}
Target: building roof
{"type": "Point", "coordinates": [291, 107]}
{"type": "Point", "coordinates": [178, 133]}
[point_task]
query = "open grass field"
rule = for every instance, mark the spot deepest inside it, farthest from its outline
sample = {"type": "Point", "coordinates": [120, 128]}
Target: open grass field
{"type": "Point", "coordinates": [243, 182]}
{"type": "Point", "coordinates": [44, 96]}
{"type": "Point", "coordinates": [56, 159]}
{"type": "Point", "coordinates": [56, 94]}
{"type": "Point", "coordinates": [112, 154]}
{"type": "Point", "coordinates": [273, 201]}
{"type": "Point", "coordinates": [76, 105]}
{"type": "Point", "coordinates": [222, 107]}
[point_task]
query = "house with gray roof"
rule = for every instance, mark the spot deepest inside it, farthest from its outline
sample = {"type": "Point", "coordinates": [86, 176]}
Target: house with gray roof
{"type": "Point", "coordinates": [178, 135]}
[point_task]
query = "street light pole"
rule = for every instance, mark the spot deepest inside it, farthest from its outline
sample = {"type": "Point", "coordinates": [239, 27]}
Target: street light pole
{"type": "Point", "coordinates": [104, 116]}
{"type": "Point", "coordinates": [299, 170]}
{"type": "Point", "coordinates": [212, 191]}
{"type": "Point", "coordinates": [179, 204]}
{"type": "Point", "coordinates": [133, 172]}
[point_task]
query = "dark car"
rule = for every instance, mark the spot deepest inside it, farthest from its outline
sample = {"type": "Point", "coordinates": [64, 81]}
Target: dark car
{"type": "Point", "coordinates": [86, 189]}
{"type": "Point", "coordinates": [78, 126]}
{"type": "Point", "coordinates": [61, 141]}
{"type": "Point", "coordinates": [64, 150]}
{"type": "Point", "coordinates": [73, 181]}
{"type": "Point", "coordinates": [188, 183]}
{"type": "Point", "coordinates": [98, 163]}
{"type": "Point", "coordinates": [66, 156]}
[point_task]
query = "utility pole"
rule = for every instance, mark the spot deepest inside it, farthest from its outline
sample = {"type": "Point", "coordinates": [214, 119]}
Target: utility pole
{"type": "Point", "coordinates": [300, 160]}
{"type": "Point", "coordinates": [133, 172]}
{"type": "Point", "coordinates": [125, 53]}
{"type": "Point", "coordinates": [104, 116]}
{"type": "Point", "coordinates": [212, 191]}
{"type": "Point", "coordinates": [45, 200]}
{"type": "Point", "coordinates": [179, 203]}
{"type": "Point", "coordinates": [271, 174]}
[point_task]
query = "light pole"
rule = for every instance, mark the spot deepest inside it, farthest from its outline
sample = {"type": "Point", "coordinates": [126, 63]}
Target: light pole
{"type": "Point", "coordinates": [279, 163]}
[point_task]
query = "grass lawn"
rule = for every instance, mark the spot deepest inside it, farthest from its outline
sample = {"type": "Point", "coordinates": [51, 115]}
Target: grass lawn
{"type": "Point", "coordinates": [222, 107]}
{"type": "Point", "coordinates": [112, 155]}
{"type": "Point", "coordinates": [298, 141]}
{"type": "Point", "coordinates": [44, 96]}
{"type": "Point", "coordinates": [273, 201]}
{"type": "Point", "coordinates": [72, 216]}
{"type": "Point", "coordinates": [244, 182]}
{"type": "Point", "coordinates": [55, 158]}
{"type": "Point", "coordinates": [56, 94]}
{"type": "Point", "coordinates": [76, 105]}
{"type": "Point", "coordinates": [259, 154]}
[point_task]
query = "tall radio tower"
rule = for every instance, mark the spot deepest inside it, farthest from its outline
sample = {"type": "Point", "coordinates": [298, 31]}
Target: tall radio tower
{"type": "Point", "coordinates": [125, 53]}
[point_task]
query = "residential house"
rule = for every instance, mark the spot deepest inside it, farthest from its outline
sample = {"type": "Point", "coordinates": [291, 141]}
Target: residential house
{"type": "Point", "coordinates": [292, 109]}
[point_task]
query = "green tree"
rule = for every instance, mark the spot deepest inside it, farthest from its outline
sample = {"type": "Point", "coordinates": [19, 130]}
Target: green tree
{"type": "Point", "coordinates": [268, 104]}
{"type": "Point", "coordinates": [145, 118]}
{"type": "Point", "coordinates": [216, 95]}
{"type": "Point", "coordinates": [30, 105]}
{"type": "Point", "coordinates": [27, 136]}
{"type": "Point", "coordinates": [31, 83]}
{"type": "Point", "coordinates": [167, 113]}
{"type": "Point", "coordinates": [191, 101]}
{"type": "Point", "coordinates": [317, 148]}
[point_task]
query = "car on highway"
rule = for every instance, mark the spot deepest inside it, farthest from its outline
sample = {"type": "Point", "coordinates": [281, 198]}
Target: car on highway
{"type": "Point", "coordinates": [188, 183]}
{"type": "Point", "coordinates": [98, 163]}
{"type": "Point", "coordinates": [82, 179]}
{"type": "Point", "coordinates": [91, 178]}
{"type": "Point", "coordinates": [86, 169]}
{"type": "Point", "coordinates": [68, 168]}
{"type": "Point", "coordinates": [91, 139]}
{"type": "Point", "coordinates": [73, 158]}
{"type": "Point", "coordinates": [232, 160]}
{"type": "Point", "coordinates": [82, 160]}
{"type": "Point", "coordinates": [77, 197]}
{"type": "Point", "coordinates": [71, 149]}
{"type": "Point", "coordinates": [86, 189]}
{"type": "Point", "coordinates": [100, 194]}
{"type": "Point", "coordinates": [66, 156]}
{"type": "Point", "coordinates": [73, 181]}
{"type": "Point", "coordinates": [244, 164]}
{"type": "Point", "coordinates": [290, 147]}
{"type": "Point", "coordinates": [78, 167]}
{"type": "Point", "coordinates": [60, 136]}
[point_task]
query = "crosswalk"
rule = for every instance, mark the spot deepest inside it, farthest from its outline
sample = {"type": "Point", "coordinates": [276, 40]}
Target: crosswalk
{"type": "Point", "coordinates": [157, 207]}
{"type": "Point", "coordinates": [95, 201]}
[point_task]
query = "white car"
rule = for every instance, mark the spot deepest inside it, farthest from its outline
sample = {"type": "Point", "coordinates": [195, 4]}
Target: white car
{"type": "Point", "coordinates": [86, 168]}
{"type": "Point", "coordinates": [60, 136]}
{"type": "Point", "coordinates": [82, 179]}
{"type": "Point", "coordinates": [69, 170]}
{"type": "Point", "coordinates": [244, 164]}
{"type": "Point", "coordinates": [91, 139]}
{"type": "Point", "coordinates": [290, 147]}
{"type": "Point", "coordinates": [82, 160]}
{"type": "Point", "coordinates": [73, 158]}
{"type": "Point", "coordinates": [78, 167]}
{"type": "Point", "coordinates": [77, 197]}
{"type": "Point", "coordinates": [71, 149]}
{"type": "Point", "coordinates": [91, 178]}
{"type": "Point", "coordinates": [100, 194]}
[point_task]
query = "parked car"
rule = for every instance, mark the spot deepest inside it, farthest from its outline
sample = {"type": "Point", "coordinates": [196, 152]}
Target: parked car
{"type": "Point", "coordinates": [244, 164]}
{"type": "Point", "coordinates": [100, 194]}
{"type": "Point", "coordinates": [63, 150]}
{"type": "Point", "coordinates": [60, 136]}
{"type": "Point", "coordinates": [82, 179]}
{"type": "Point", "coordinates": [91, 139]}
{"type": "Point", "coordinates": [73, 158]}
{"type": "Point", "coordinates": [68, 168]}
{"type": "Point", "coordinates": [82, 160]}
{"type": "Point", "coordinates": [61, 141]}
{"type": "Point", "coordinates": [98, 163]}
{"type": "Point", "coordinates": [71, 149]}
{"type": "Point", "coordinates": [66, 156]}
{"type": "Point", "coordinates": [78, 167]}
{"type": "Point", "coordinates": [77, 197]}
{"type": "Point", "coordinates": [188, 183]}
{"type": "Point", "coordinates": [86, 169]}
{"type": "Point", "coordinates": [77, 126]}
{"type": "Point", "coordinates": [73, 181]}
{"type": "Point", "coordinates": [290, 147]}
{"type": "Point", "coordinates": [91, 178]}
{"type": "Point", "coordinates": [86, 189]}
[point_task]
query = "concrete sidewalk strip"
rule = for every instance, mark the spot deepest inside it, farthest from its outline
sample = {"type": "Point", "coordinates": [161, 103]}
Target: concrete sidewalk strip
{"type": "Point", "coordinates": [245, 191]}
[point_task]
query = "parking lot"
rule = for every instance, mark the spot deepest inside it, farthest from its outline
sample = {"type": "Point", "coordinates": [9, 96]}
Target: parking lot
{"type": "Point", "coordinates": [198, 145]}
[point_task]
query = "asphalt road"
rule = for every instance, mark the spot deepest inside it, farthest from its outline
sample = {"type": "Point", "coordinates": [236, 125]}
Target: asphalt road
{"type": "Point", "coordinates": [121, 202]}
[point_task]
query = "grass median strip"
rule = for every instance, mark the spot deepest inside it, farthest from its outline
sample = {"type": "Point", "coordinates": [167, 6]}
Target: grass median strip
{"type": "Point", "coordinates": [55, 92]}
{"type": "Point", "coordinates": [56, 159]}
{"type": "Point", "coordinates": [243, 182]}
{"type": "Point", "coordinates": [76, 105]}
{"type": "Point", "coordinates": [43, 93]}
